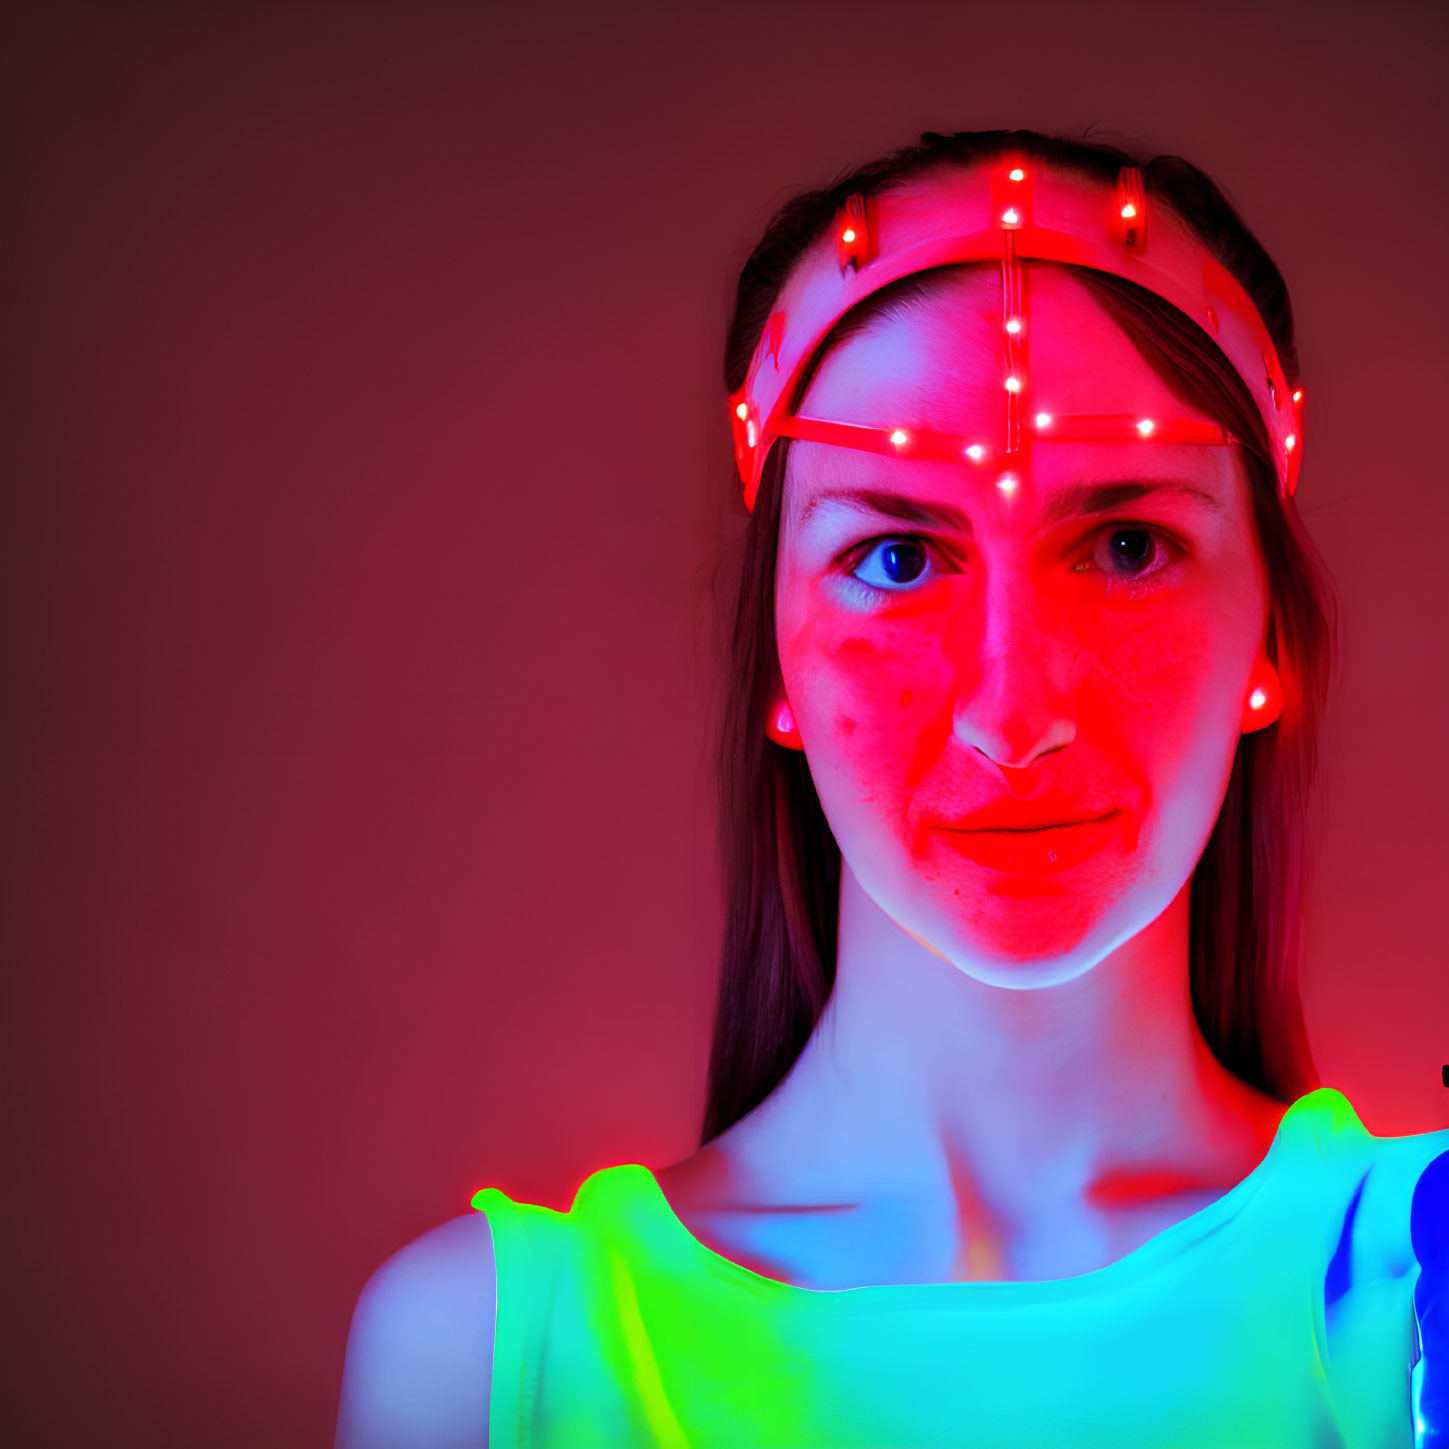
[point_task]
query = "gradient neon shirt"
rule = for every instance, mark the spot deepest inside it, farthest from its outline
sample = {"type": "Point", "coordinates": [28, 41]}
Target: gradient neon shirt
{"type": "Point", "coordinates": [1238, 1326]}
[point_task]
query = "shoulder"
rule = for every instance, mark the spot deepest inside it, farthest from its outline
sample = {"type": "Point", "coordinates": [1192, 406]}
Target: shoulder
{"type": "Point", "coordinates": [420, 1347]}
{"type": "Point", "coordinates": [1397, 1176]}
{"type": "Point", "coordinates": [1378, 1188]}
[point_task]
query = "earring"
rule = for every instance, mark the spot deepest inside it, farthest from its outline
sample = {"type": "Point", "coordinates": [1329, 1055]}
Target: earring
{"type": "Point", "coordinates": [781, 727]}
{"type": "Point", "coordinates": [1264, 703]}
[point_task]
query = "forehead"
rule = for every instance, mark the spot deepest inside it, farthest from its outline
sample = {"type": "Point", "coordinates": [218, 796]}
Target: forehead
{"type": "Point", "coordinates": [941, 362]}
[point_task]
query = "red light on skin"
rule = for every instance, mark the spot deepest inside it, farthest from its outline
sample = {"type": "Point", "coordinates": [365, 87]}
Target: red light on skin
{"type": "Point", "coordinates": [1126, 1189]}
{"type": "Point", "coordinates": [742, 412]}
{"type": "Point", "coordinates": [1017, 174]}
{"type": "Point", "coordinates": [1257, 699]}
{"type": "Point", "coordinates": [848, 235]}
{"type": "Point", "coordinates": [1034, 658]}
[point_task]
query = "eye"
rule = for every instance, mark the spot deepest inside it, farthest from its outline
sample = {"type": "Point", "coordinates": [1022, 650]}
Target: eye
{"type": "Point", "coordinates": [1125, 553]}
{"type": "Point", "coordinates": [1129, 552]}
{"type": "Point", "coordinates": [893, 563]}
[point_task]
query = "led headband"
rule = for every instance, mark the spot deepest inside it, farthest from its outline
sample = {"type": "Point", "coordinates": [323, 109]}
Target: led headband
{"type": "Point", "coordinates": [1010, 213]}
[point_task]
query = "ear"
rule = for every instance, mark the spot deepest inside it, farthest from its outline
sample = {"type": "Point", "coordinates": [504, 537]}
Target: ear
{"type": "Point", "coordinates": [780, 724]}
{"type": "Point", "coordinates": [1264, 701]}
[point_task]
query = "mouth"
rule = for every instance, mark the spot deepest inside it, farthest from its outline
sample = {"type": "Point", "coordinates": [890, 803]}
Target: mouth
{"type": "Point", "coordinates": [1028, 829]}
{"type": "Point", "coordinates": [1033, 850]}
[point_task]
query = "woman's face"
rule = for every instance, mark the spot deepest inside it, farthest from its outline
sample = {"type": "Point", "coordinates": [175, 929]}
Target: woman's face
{"type": "Point", "coordinates": [993, 645]}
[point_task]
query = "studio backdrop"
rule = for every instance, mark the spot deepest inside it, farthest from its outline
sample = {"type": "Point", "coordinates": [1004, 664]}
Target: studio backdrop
{"type": "Point", "coordinates": [366, 479]}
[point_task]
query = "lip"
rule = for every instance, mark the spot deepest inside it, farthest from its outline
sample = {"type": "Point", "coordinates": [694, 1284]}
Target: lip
{"type": "Point", "coordinates": [1038, 850]}
{"type": "Point", "coordinates": [1046, 811]}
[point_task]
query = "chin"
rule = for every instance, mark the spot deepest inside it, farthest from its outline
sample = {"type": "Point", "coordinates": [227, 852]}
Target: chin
{"type": "Point", "coordinates": [1020, 939]}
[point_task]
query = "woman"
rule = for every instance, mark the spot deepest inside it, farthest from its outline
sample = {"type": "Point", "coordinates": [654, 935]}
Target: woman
{"type": "Point", "coordinates": [1012, 1134]}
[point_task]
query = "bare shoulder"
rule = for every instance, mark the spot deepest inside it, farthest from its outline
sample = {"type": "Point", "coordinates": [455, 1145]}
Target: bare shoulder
{"type": "Point", "coordinates": [420, 1349]}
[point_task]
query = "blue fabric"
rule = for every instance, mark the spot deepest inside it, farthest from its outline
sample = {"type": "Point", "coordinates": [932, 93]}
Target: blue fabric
{"type": "Point", "coordinates": [1429, 1236]}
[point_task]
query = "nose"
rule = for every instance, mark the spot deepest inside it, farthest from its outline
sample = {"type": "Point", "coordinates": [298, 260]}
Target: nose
{"type": "Point", "coordinates": [1014, 692]}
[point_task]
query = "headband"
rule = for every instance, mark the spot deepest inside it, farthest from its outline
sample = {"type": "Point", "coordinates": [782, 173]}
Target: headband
{"type": "Point", "coordinates": [1007, 212]}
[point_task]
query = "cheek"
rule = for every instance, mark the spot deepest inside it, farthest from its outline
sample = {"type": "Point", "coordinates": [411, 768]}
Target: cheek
{"type": "Point", "coordinates": [1158, 712]}
{"type": "Point", "coordinates": [1150, 694]}
{"type": "Point", "coordinates": [873, 701]}
{"type": "Point", "coordinates": [1139, 675]}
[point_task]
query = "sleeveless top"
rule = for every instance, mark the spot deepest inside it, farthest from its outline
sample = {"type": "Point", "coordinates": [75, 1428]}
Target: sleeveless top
{"type": "Point", "coordinates": [1239, 1326]}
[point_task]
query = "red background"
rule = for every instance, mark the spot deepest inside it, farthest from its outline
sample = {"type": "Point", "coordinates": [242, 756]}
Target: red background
{"type": "Point", "coordinates": [365, 462]}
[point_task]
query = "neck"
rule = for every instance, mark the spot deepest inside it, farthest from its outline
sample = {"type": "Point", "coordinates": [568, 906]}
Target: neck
{"type": "Point", "coordinates": [919, 1076]}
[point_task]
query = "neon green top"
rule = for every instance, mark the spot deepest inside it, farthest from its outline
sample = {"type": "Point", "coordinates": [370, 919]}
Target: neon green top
{"type": "Point", "coordinates": [1239, 1326]}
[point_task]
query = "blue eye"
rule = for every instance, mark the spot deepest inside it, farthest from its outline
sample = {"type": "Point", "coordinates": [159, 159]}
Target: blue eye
{"type": "Point", "coordinates": [901, 562]}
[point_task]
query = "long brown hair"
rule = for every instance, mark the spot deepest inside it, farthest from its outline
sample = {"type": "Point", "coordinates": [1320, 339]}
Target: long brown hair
{"type": "Point", "coordinates": [780, 862]}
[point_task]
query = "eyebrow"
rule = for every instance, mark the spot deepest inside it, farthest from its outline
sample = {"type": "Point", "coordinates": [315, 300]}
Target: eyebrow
{"type": "Point", "coordinates": [1081, 500]}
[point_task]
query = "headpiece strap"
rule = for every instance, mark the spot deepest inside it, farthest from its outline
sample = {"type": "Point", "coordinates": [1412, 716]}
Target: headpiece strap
{"type": "Point", "coordinates": [1006, 212]}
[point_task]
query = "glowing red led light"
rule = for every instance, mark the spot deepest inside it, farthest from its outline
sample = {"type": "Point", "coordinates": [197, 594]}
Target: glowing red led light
{"type": "Point", "coordinates": [917, 235]}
